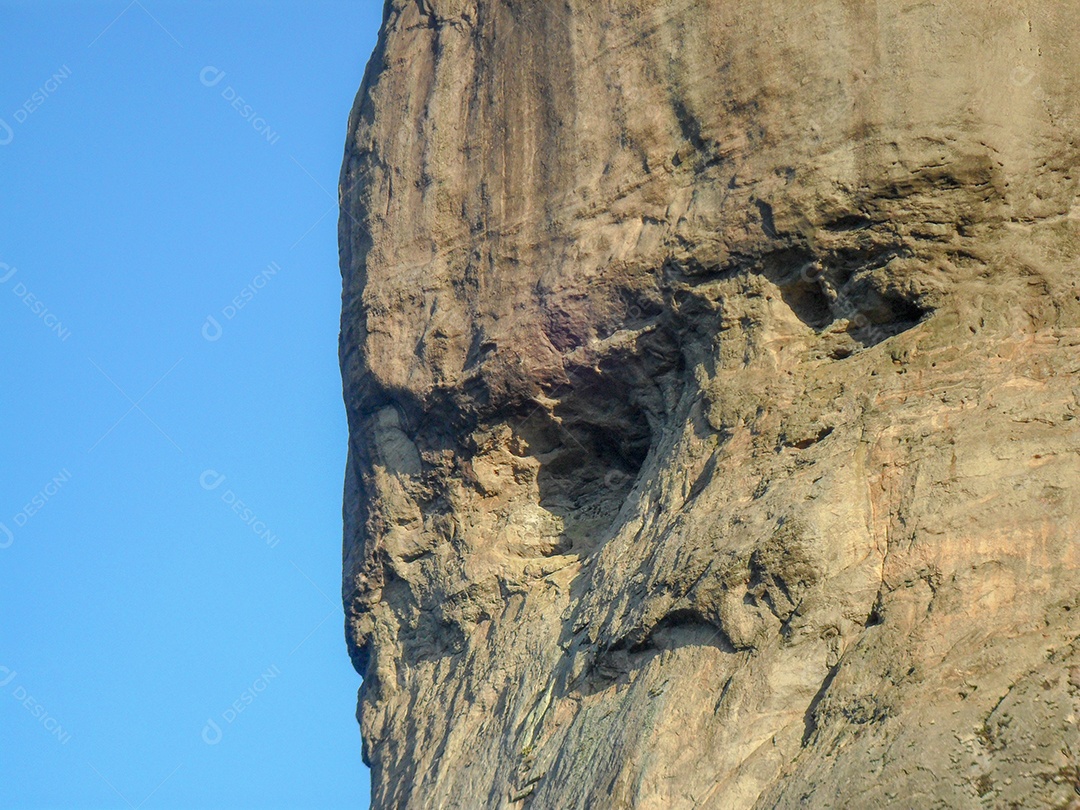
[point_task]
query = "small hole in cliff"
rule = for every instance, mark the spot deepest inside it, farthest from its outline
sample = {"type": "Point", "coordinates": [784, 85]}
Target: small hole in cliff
{"type": "Point", "coordinates": [875, 618]}
{"type": "Point", "coordinates": [810, 441]}
{"type": "Point", "coordinates": [851, 222]}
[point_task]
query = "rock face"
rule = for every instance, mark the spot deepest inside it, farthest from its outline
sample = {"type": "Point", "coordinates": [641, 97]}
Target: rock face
{"type": "Point", "coordinates": [712, 378]}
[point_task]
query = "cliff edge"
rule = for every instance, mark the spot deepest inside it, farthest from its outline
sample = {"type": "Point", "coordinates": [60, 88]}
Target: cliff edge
{"type": "Point", "coordinates": [713, 379]}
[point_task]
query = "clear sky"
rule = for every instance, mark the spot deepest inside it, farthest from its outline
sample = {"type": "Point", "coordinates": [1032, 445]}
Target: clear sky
{"type": "Point", "coordinates": [173, 435]}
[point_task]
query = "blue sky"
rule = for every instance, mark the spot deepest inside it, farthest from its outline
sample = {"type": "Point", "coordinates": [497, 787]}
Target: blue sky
{"type": "Point", "coordinates": [171, 486]}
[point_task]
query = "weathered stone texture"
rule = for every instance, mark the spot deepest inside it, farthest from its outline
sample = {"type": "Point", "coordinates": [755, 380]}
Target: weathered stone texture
{"type": "Point", "coordinates": [712, 378]}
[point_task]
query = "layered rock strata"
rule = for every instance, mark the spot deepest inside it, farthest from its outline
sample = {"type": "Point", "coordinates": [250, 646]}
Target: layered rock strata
{"type": "Point", "coordinates": [712, 379]}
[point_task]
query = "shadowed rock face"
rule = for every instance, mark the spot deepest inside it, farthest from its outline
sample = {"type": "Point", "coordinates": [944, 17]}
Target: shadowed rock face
{"type": "Point", "coordinates": [712, 378]}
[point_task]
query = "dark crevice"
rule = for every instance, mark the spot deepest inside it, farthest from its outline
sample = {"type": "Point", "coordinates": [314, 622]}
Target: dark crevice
{"type": "Point", "coordinates": [680, 628]}
{"type": "Point", "coordinates": [850, 222]}
{"type": "Point", "coordinates": [593, 433]}
{"type": "Point", "coordinates": [480, 349]}
{"type": "Point", "coordinates": [809, 717]}
{"type": "Point", "coordinates": [821, 289]}
{"type": "Point", "coordinates": [810, 441]}
{"type": "Point", "coordinates": [768, 224]}
{"type": "Point", "coordinates": [591, 446]}
{"type": "Point", "coordinates": [797, 274]}
{"type": "Point", "coordinates": [702, 481]}
{"type": "Point", "coordinates": [689, 125]}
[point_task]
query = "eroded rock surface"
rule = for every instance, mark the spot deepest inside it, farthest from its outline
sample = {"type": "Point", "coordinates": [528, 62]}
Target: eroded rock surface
{"type": "Point", "coordinates": [712, 378]}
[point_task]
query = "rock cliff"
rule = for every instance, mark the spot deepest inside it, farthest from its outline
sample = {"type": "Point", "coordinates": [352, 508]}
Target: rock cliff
{"type": "Point", "coordinates": [712, 379]}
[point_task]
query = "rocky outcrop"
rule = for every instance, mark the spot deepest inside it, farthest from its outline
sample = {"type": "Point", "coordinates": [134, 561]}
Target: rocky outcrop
{"type": "Point", "coordinates": [712, 380]}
